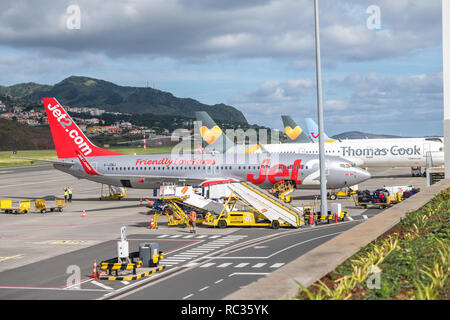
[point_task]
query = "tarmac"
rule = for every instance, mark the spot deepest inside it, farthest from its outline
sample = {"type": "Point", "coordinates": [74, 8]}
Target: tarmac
{"type": "Point", "coordinates": [36, 248]}
{"type": "Point", "coordinates": [282, 283]}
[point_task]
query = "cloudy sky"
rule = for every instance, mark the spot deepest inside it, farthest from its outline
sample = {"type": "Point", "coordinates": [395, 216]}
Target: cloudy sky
{"type": "Point", "coordinates": [381, 59]}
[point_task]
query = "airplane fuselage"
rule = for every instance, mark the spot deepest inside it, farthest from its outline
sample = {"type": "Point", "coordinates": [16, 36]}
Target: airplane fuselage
{"type": "Point", "coordinates": [151, 171]}
{"type": "Point", "coordinates": [373, 153]}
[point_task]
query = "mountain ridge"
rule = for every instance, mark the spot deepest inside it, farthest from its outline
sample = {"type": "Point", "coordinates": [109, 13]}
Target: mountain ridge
{"type": "Point", "coordinates": [80, 91]}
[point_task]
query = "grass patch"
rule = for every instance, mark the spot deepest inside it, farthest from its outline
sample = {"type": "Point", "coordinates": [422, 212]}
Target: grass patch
{"type": "Point", "coordinates": [7, 161]}
{"type": "Point", "coordinates": [413, 260]}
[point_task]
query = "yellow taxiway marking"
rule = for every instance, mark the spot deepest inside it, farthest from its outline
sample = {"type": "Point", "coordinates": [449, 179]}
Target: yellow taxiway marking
{"type": "Point", "coordinates": [10, 257]}
{"type": "Point", "coordinates": [67, 242]}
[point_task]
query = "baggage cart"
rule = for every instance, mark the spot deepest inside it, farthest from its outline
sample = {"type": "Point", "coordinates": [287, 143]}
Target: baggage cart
{"type": "Point", "coordinates": [43, 205]}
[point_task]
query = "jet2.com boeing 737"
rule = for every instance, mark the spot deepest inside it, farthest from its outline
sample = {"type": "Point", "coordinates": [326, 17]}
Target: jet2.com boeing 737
{"type": "Point", "coordinates": [81, 158]}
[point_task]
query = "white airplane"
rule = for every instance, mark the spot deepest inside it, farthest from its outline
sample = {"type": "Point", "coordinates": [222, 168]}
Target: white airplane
{"type": "Point", "coordinates": [383, 152]}
{"type": "Point", "coordinates": [408, 152]}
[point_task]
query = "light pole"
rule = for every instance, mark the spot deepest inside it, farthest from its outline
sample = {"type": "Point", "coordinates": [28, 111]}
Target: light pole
{"type": "Point", "coordinates": [323, 178]}
{"type": "Point", "coordinates": [446, 79]}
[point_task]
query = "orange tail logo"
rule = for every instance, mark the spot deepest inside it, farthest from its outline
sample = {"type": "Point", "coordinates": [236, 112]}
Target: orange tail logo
{"type": "Point", "coordinates": [293, 133]}
{"type": "Point", "coordinates": [210, 135]}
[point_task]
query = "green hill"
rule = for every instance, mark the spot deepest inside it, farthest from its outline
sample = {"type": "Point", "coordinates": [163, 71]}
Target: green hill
{"type": "Point", "coordinates": [78, 91]}
{"type": "Point", "coordinates": [16, 136]}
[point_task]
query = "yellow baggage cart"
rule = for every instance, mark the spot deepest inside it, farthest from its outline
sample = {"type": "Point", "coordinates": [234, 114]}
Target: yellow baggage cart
{"type": "Point", "coordinates": [43, 206]}
{"type": "Point", "coordinates": [7, 206]}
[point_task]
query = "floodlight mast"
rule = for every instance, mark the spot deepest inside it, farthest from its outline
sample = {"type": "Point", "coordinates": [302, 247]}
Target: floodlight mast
{"type": "Point", "coordinates": [323, 178]}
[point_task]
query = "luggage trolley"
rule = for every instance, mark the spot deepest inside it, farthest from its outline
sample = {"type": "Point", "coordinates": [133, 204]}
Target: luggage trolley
{"type": "Point", "coordinates": [43, 206]}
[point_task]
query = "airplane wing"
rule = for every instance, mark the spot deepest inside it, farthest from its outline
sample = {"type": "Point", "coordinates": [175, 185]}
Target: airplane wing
{"type": "Point", "coordinates": [55, 161]}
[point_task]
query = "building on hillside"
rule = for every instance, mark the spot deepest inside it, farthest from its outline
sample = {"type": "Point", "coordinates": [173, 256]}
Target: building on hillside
{"type": "Point", "coordinates": [7, 115]}
{"type": "Point", "coordinates": [17, 109]}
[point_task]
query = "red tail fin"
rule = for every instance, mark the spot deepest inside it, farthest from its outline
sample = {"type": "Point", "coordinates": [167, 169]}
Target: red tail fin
{"type": "Point", "coordinates": [67, 136]}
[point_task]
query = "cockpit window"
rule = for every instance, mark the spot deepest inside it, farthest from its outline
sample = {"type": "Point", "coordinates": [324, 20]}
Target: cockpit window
{"type": "Point", "coordinates": [346, 165]}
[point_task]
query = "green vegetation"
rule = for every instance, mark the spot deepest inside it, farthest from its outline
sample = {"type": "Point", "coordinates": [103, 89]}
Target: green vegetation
{"type": "Point", "coordinates": [16, 136]}
{"type": "Point", "coordinates": [78, 91]}
{"type": "Point", "coordinates": [7, 161]}
{"type": "Point", "coordinates": [414, 260]}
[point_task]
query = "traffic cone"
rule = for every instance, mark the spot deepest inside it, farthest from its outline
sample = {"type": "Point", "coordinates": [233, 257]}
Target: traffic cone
{"type": "Point", "coordinates": [84, 214]}
{"type": "Point", "coordinates": [95, 273]}
{"type": "Point", "coordinates": [140, 203]}
{"type": "Point", "coordinates": [335, 217]}
{"type": "Point", "coordinates": [152, 224]}
{"type": "Point", "coordinates": [311, 219]}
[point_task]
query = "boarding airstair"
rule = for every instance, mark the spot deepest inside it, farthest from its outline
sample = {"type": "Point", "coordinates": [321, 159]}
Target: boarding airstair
{"type": "Point", "coordinates": [269, 206]}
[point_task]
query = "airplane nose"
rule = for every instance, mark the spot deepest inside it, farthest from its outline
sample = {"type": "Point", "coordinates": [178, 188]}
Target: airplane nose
{"type": "Point", "coordinates": [363, 175]}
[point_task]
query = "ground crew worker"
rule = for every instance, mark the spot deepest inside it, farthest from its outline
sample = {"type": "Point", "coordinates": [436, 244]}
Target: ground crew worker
{"type": "Point", "coordinates": [193, 220]}
{"type": "Point", "coordinates": [66, 194]}
{"type": "Point", "coordinates": [70, 194]}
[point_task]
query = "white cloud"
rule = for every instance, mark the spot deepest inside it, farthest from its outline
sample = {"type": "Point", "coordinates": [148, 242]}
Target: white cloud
{"type": "Point", "coordinates": [395, 104]}
{"type": "Point", "coordinates": [211, 30]}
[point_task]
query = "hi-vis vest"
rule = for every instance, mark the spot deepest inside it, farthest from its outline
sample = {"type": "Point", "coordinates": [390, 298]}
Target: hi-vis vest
{"type": "Point", "coordinates": [66, 193]}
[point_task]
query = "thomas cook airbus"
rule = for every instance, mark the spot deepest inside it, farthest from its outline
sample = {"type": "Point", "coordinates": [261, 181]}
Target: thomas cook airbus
{"type": "Point", "coordinates": [81, 158]}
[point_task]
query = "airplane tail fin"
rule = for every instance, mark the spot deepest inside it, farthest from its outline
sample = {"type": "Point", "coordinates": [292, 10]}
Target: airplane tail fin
{"type": "Point", "coordinates": [213, 138]}
{"type": "Point", "coordinates": [294, 131]}
{"type": "Point", "coordinates": [67, 136]}
{"type": "Point", "coordinates": [313, 130]}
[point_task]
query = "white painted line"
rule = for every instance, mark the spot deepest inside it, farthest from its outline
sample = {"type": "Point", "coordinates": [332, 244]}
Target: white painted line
{"type": "Point", "coordinates": [206, 265]}
{"type": "Point", "coordinates": [241, 265]}
{"type": "Point", "coordinates": [204, 288]}
{"type": "Point", "coordinates": [282, 250]}
{"type": "Point", "coordinates": [365, 217]}
{"type": "Point", "coordinates": [192, 264]}
{"type": "Point", "coordinates": [248, 274]}
{"type": "Point", "coordinates": [224, 265]}
{"type": "Point", "coordinates": [173, 259]}
{"type": "Point", "coordinates": [188, 236]}
{"type": "Point", "coordinates": [176, 236]}
{"type": "Point", "coordinates": [78, 284]}
{"type": "Point", "coordinates": [163, 236]}
{"type": "Point", "coordinates": [125, 282]}
{"type": "Point", "coordinates": [276, 265]}
{"type": "Point", "coordinates": [218, 281]}
{"type": "Point", "coordinates": [202, 236]}
{"type": "Point", "coordinates": [101, 285]}
{"type": "Point", "coordinates": [191, 254]}
{"type": "Point", "coordinates": [188, 296]}
{"type": "Point", "coordinates": [212, 247]}
{"type": "Point", "coordinates": [214, 237]}
{"type": "Point", "coordinates": [350, 218]}
{"type": "Point", "coordinates": [259, 265]}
